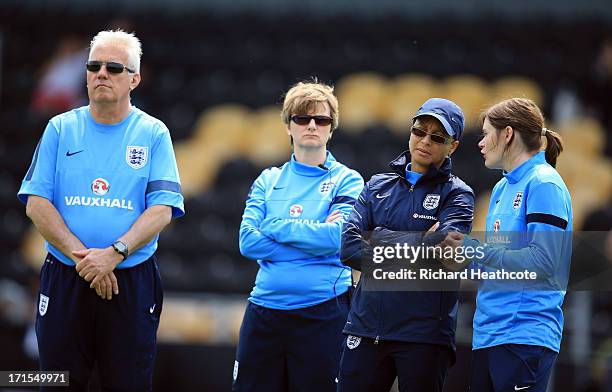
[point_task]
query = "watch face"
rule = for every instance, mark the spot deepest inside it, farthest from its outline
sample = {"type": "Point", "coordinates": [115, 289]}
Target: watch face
{"type": "Point", "coordinates": [121, 248]}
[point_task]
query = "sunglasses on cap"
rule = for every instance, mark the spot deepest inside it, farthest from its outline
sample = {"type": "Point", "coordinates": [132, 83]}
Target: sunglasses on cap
{"type": "Point", "coordinates": [434, 137]}
{"type": "Point", "coordinates": [111, 66]}
{"type": "Point", "coordinates": [304, 119]}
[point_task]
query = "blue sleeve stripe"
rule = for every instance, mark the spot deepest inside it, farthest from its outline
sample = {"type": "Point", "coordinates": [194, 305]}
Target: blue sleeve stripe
{"type": "Point", "coordinates": [343, 200]}
{"type": "Point", "coordinates": [548, 219]}
{"type": "Point", "coordinates": [28, 176]}
{"type": "Point", "coordinates": [161, 185]}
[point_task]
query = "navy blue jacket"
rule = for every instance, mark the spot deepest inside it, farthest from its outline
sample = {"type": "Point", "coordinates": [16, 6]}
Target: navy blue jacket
{"type": "Point", "coordinates": [393, 208]}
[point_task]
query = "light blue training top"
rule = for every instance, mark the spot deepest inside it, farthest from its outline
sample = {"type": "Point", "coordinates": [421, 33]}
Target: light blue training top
{"type": "Point", "coordinates": [284, 229]}
{"type": "Point", "coordinates": [102, 177]}
{"type": "Point", "coordinates": [531, 211]}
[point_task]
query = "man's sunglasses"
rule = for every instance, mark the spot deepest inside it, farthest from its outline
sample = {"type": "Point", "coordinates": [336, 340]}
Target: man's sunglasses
{"type": "Point", "coordinates": [303, 119]}
{"type": "Point", "coordinates": [111, 66]}
{"type": "Point", "coordinates": [434, 138]}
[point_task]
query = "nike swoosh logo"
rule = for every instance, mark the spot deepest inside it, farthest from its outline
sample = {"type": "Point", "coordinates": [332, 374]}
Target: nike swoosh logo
{"type": "Point", "coordinates": [278, 187]}
{"type": "Point", "coordinates": [69, 154]}
{"type": "Point", "coordinates": [152, 308]}
{"type": "Point", "coordinates": [379, 196]}
{"type": "Point", "coordinates": [517, 388]}
{"type": "Point", "coordinates": [497, 201]}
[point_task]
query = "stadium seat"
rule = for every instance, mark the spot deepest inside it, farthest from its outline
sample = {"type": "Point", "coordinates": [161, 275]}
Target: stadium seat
{"type": "Point", "coordinates": [573, 166]}
{"type": "Point", "coordinates": [406, 95]}
{"type": "Point", "coordinates": [221, 128]}
{"type": "Point", "coordinates": [471, 93]}
{"type": "Point", "coordinates": [266, 137]}
{"type": "Point", "coordinates": [197, 166]}
{"type": "Point", "coordinates": [185, 321]}
{"type": "Point", "coordinates": [360, 96]}
{"type": "Point", "coordinates": [33, 248]}
{"type": "Point", "coordinates": [584, 135]}
{"type": "Point", "coordinates": [516, 87]}
{"type": "Point", "coordinates": [583, 202]}
{"type": "Point", "coordinates": [481, 208]}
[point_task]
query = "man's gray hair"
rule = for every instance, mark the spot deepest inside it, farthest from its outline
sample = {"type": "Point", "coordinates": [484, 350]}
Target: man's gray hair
{"type": "Point", "coordinates": [127, 41]}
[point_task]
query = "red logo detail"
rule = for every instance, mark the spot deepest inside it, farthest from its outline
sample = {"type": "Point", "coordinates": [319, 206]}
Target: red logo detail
{"type": "Point", "coordinates": [100, 186]}
{"type": "Point", "coordinates": [295, 210]}
{"type": "Point", "coordinates": [496, 226]}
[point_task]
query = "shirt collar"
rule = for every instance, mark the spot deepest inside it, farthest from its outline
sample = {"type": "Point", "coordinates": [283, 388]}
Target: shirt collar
{"type": "Point", "coordinates": [412, 177]}
{"type": "Point", "coordinates": [312, 171]}
{"type": "Point", "coordinates": [519, 172]}
{"type": "Point", "coordinates": [400, 164]}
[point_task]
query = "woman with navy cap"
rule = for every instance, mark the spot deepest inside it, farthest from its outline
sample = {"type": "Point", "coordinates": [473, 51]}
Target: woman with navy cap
{"type": "Point", "coordinates": [405, 333]}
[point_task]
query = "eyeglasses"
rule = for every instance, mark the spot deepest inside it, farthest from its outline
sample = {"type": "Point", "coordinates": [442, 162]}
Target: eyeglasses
{"type": "Point", "coordinates": [303, 119]}
{"type": "Point", "coordinates": [434, 137]}
{"type": "Point", "coordinates": [111, 66]}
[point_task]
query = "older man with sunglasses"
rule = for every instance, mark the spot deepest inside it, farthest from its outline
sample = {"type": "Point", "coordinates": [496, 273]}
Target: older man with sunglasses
{"type": "Point", "coordinates": [291, 334]}
{"type": "Point", "coordinates": [407, 329]}
{"type": "Point", "coordinates": [102, 185]}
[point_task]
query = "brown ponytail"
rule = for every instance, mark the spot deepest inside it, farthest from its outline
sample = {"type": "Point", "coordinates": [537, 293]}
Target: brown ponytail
{"type": "Point", "coordinates": [526, 119]}
{"type": "Point", "coordinates": [554, 146]}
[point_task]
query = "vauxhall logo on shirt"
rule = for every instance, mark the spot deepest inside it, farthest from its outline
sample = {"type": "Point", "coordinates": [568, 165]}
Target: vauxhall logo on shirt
{"type": "Point", "coordinates": [99, 187]}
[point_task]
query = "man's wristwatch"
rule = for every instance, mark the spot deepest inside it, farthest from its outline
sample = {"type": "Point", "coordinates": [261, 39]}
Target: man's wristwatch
{"type": "Point", "coordinates": [121, 248]}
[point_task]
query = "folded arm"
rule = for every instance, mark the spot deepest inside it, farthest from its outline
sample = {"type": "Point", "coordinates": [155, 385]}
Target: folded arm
{"type": "Point", "coordinates": [252, 242]}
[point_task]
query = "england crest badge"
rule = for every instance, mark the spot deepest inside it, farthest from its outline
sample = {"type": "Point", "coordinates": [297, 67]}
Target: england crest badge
{"type": "Point", "coordinates": [136, 156]}
{"type": "Point", "coordinates": [43, 304]}
{"type": "Point", "coordinates": [325, 187]}
{"type": "Point", "coordinates": [518, 198]}
{"type": "Point", "coordinates": [431, 201]}
{"type": "Point", "coordinates": [353, 341]}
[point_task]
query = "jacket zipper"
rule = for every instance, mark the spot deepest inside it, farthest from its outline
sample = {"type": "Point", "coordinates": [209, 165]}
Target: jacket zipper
{"type": "Point", "coordinates": [380, 305]}
{"type": "Point", "coordinates": [377, 339]}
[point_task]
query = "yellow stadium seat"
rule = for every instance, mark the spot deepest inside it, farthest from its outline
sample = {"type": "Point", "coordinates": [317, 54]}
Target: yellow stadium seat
{"type": "Point", "coordinates": [406, 95]}
{"type": "Point", "coordinates": [516, 87]}
{"type": "Point", "coordinates": [197, 167]}
{"type": "Point", "coordinates": [267, 137]}
{"type": "Point", "coordinates": [33, 248]}
{"type": "Point", "coordinates": [471, 93]}
{"type": "Point", "coordinates": [584, 136]}
{"type": "Point", "coordinates": [221, 127]}
{"type": "Point", "coordinates": [600, 180]}
{"type": "Point", "coordinates": [481, 209]}
{"type": "Point", "coordinates": [360, 99]}
{"type": "Point", "coordinates": [569, 166]}
{"type": "Point", "coordinates": [589, 180]}
{"type": "Point", "coordinates": [583, 202]}
{"type": "Point", "coordinates": [236, 314]}
{"type": "Point", "coordinates": [185, 321]}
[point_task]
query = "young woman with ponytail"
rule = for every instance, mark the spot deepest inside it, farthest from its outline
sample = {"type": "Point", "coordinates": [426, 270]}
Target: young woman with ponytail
{"type": "Point", "coordinates": [518, 323]}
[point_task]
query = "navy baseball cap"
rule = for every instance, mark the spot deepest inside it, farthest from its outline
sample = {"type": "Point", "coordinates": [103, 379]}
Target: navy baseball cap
{"type": "Point", "coordinates": [447, 112]}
